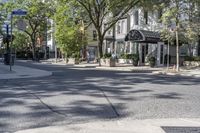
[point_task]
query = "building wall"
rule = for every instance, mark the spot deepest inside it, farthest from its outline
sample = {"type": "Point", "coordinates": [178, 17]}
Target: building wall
{"type": "Point", "coordinates": [138, 19]}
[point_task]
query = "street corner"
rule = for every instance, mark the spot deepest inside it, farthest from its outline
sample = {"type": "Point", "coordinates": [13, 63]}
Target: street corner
{"type": "Point", "coordinates": [19, 72]}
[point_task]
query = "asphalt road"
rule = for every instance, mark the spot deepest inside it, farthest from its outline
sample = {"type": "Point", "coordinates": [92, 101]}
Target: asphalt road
{"type": "Point", "coordinates": [78, 95]}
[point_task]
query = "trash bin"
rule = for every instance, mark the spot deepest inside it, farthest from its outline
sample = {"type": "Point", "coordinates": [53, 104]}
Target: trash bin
{"type": "Point", "coordinates": [7, 58]}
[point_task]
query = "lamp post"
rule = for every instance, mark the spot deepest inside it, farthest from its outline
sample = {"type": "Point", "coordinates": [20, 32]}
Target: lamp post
{"type": "Point", "coordinates": [46, 43]}
{"type": "Point", "coordinates": [82, 30]}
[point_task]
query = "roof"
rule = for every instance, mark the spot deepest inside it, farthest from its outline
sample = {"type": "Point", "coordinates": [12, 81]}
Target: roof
{"type": "Point", "coordinates": [143, 36]}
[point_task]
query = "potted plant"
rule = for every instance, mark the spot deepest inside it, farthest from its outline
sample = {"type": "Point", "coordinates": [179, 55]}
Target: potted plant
{"type": "Point", "coordinates": [134, 58]}
{"type": "Point", "coordinates": [107, 60]}
{"type": "Point", "coordinates": [152, 61]}
{"type": "Point", "coordinates": [74, 59]}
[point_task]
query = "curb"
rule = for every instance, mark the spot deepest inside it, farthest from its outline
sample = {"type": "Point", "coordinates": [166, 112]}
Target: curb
{"type": "Point", "coordinates": [21, 72]}
{"type": "Point", "coordinates": [124, 126]}
{"type": "Point", "coordinates": [177, 74]}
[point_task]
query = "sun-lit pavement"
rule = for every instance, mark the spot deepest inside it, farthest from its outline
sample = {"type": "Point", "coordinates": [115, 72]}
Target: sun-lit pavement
{"type": "Point", "coordinates": [78, 96]}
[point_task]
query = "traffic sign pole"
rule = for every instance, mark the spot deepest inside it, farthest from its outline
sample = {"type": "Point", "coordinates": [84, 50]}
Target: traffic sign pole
{"type": "Point", "coordinates": [18, 12]}
{"type": "Point", "coordinates": [11, 44]}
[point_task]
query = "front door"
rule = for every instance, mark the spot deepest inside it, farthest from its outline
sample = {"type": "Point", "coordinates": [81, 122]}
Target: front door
{"type": "Point", "coordinates": [144, 53]}
{"type": "Point", "coordinates": [161, 54]}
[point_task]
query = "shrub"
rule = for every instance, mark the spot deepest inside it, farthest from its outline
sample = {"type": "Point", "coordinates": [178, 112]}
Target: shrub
{"type": "Point", "coordinates": [75, 55]}
{"type": "Point", "coordinates": [152, 61]}
{"type": "Point", "coordinates": [192, 58]}
{"type": "Point", "coordinates": [123, 56]}
{"type": "Point", "coordinates": [134, 58]}
{"type": "Point", "coordinates": [107, 55]}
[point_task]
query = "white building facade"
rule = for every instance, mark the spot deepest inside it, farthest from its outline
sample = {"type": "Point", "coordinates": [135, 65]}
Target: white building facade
{"type": "Point", "coordinates": [139, 32]}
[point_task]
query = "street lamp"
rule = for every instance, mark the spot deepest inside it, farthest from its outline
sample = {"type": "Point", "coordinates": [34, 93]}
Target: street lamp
{"type": "Point", "coordinates": [46, 43]}
{"type": "Point", "coordinates": [82, 30]}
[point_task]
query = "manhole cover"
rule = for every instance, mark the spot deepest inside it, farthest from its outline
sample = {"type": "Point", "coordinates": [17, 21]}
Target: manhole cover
{"type": "Point", "coordinates": [181, 129]}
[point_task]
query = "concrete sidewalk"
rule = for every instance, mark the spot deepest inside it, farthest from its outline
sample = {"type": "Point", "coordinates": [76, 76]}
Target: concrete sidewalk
{"type": "Point", "coordinates": [126, 67]}
{"type": "Point", "coordinates": [193, 72]}
{"type": "Point", "coordinates": [126, 126]}
{"type": "Point", "coordinates": [21, 72]}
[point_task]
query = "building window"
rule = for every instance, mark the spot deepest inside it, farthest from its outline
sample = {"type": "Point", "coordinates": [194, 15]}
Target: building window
{"type": "Point", "coordinates": [104, 26]}
{"type": "Point", "coordinates": [128, 48]}
{"type": "Point", "coordinates": [118, 28]}
{"type": "Point", "coordinates": [120, 47]}
{"type": "Point", "coordinates": [146, 17]}
{"type": "Point", "coordinates": [136, 17]}
{"type": "Point", "coordinates": [109, 32]}
{"type": "Point", "coordinates": [94, 35]}
{"type": "Point", "coordinates": [160, 15]}
{"type": "Point", "coordinates": [123, 26]}
{"type": "Point", "coordinates": [49, 36]}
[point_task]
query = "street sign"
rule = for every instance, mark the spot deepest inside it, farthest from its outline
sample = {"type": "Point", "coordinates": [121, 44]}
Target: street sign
{"type": "Point", "coordinates": [21, 25]}
{"type": "Point", "coordinates": [19, 12]}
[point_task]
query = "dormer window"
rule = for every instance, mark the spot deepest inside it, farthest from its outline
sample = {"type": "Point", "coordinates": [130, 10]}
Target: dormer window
{"type": "Point", "coordinates": [123, 26]}
{"type": "Point", "coordinates": [118, 28]}
{"type": "Point", "coordinates": [136, 17]}
{"type": "Point", "coordinates": [146, 17]}
{"type": "Point", "coordinates": [94, 35]}
{"type": "Point", "coordinates": [160, 15]}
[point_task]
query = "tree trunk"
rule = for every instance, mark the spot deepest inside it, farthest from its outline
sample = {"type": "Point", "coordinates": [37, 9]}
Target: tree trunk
{"type": "Point", "coordinates": [33, 49]}
{"type": "Point", "coordinates": [177, 51]}
{"type": "Point", "coordinates": [190, 49]}
{"type": "Point", "coordinates": [100, 47]}
{"type": "Point", "coordinates": [199, 46]}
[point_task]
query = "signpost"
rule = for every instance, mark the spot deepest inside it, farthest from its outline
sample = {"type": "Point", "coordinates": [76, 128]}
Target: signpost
{"type": "Point", "coordinates": [18, 12]}
{"type": "Point", "coordinates": [21, 25]}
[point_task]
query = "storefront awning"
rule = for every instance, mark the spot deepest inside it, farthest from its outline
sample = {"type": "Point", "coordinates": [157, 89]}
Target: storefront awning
{"type": "Point", "coordinates": [143, 36]}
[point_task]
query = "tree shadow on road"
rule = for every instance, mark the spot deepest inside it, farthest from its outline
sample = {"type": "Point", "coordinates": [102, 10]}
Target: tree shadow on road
{"type": "Point", "coordinates": [80, 95]}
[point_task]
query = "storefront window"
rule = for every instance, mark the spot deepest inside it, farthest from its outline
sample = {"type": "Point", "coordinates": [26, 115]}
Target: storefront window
{"type": "Point", "coordinates": [120, 48]}
{"type": "Point", "coordinates": [128, 48]}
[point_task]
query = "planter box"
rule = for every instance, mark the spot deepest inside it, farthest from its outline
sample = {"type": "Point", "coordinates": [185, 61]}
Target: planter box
{"type": "Point", "coordinates": [191, 63]}
{"type": "Point", "coordinates": [125, 61]}
{"type": "Point", "coordinates": [73, 61]}
{"type": "Point", "coordinates": [108, 62]}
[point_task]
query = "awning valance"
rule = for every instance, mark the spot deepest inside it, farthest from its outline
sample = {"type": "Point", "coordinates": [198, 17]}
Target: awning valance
{"type": "Point", "coordinates": [143, 36]}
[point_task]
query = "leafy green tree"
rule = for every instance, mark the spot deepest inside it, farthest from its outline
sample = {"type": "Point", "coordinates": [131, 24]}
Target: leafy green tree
{"type": "Point", "coordinates": [21, 42]}
{"type": "Point", "coordinates": [192, 26]}
{"type": "Point", "coordinates": [98, 10]}
{"type": "Point", "coordinates": [173, 16]}
{"type": "Point", "coordinates": [38, 11]}
{"type": "Point", "coordinates": [69, 37]}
